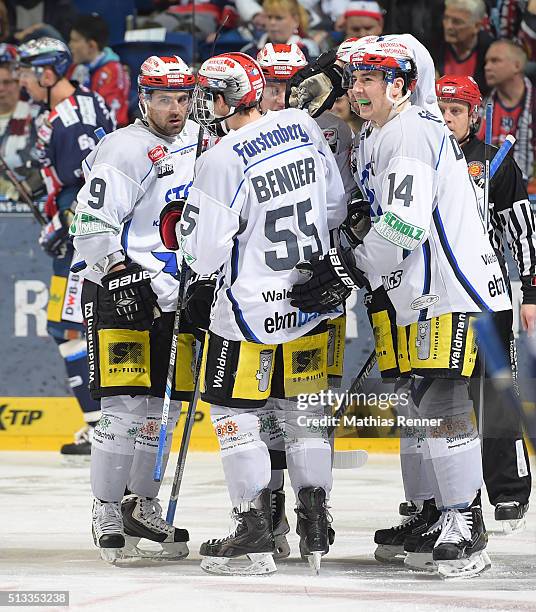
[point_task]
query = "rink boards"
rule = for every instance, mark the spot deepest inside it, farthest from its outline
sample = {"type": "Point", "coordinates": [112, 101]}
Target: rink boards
{"type": "Point", "coordinates": [45, 423]}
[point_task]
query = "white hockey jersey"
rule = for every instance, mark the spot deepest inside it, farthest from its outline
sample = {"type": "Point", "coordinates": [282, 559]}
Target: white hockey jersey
{"type": "Point", "coordinates": [130, 176]}
{"type": "Point", "coordinates": [427, 243]}
{"type": "Point", "coordinates": [263, 199]}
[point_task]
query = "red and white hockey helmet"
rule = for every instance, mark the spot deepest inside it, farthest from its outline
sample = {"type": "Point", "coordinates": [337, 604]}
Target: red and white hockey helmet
{"type": "Point", "coordinates": [167, 73]}
{"type": "Point", "coordinates": [459, 89]}
{"type": "Point", "coordinates": [384, 53]}
{"type": "Point", "coordinates": [237, 77]}
{"type": "Point", "coordinates": [280, 62]}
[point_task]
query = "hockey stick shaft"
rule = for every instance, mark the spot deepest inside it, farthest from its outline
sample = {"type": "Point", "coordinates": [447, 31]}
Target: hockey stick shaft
{"type": "Point", "coordinates": [162, 437]}
{"type": "Point", "coordinates": [501, 155]}
{"type": "Point", "coordinates": [22, 191]}
{"type": "Point", "coordinates": [357, 383]}
{"type": "Point", "coordinates": [185, 442]}
{"type": "Point", "coordinates": [157, 475]}
{"type": "Point", "coordinates": [499, 370]}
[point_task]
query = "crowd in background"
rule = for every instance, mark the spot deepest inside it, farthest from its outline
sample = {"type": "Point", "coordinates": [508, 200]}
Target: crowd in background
{"type": "Point", "coordinates": [492, 40]}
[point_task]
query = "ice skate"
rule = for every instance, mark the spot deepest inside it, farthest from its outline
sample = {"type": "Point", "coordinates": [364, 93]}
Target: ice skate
{"type": "Point", "coordinates": [142, 519]}
{"type": "Point", "coordinates": [107, 529]}
{"type": "Point", "coordinates": [390, 541]}
{"type": "Point", "coordinates": [511, 516]}
{"type": "Point", "coordinates": [280, 524]}
{"type": "Point", "coordinates": [460, 549]}
{"type": "Point", "coordinates": [82, 442]}
{"type": "Point", "coordinates": [419, 548]}
{"type": "Point", "coordinates": [313, 526]}
{"type": "Point", "coordinates": [252, 538]}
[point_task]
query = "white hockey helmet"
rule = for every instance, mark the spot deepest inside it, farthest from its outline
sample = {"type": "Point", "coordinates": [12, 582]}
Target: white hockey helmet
{"type": "Point", "coordinates": [168, 73]}
{"type": "Point", "coordinates": [280, 62]}
{"type": "Point", "coordinates": [387, 54]}
{"type": "Point", "coordinates": [237, 77]}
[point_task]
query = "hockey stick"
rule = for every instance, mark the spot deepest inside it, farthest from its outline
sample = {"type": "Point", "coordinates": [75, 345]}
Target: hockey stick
{"type": "Point", "coordinates": [157, 475]}
{"type": "Point", "coordinates": [500, 370]}
{"type": "Point", "coordinates": [357, 384]}
{"type": "Point", "coordinates": [185, 442]}
{"type": "Point", "coordinates": [22, 191]}
{"type": "Point", "coordinates": [487, 178]}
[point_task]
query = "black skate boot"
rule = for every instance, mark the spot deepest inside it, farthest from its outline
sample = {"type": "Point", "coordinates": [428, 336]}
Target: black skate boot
{"type": "Point", "coordinates": [511, 515]}
{"type": "Point", "coordinates": [460, 549]}
{"type": "Point", "coordinates": [107, 530]}
{"type": "Point", "coordinates": [390, 541]}
{"type": "Point", "coordinates": [418, 548]}
{"type": "Point", "coordinates": [142, 518]}
{"type": "Point", "coordinates": [280, 523]}
{"type": "Point", "coordinates": [253, 537]}
{"type": "Point", "coordinates": [313, 526]}
{"type": "Point", "coordinates": [82, 442]}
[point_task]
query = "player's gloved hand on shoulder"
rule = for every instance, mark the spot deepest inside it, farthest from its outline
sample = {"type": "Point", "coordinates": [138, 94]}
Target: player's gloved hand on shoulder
{"type": "Point", "coordinates": [357, 223]}
{"type": "Point", "coordinates": [170, 217]}
{"type": "Point", "coordinates": [54, 235]}
{"type": "Point", "coordinates": [316, 87]}
{"type": "Point", "coordinates": [198, 300]}
{"type": "Point", "coordinates": [129, 299]}
{"type": "Point", "coordinates": [332, 278]}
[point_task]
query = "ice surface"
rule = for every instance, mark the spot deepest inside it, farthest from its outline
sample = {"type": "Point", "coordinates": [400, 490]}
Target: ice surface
{"type": "Point", "coordinates": [45, 543]}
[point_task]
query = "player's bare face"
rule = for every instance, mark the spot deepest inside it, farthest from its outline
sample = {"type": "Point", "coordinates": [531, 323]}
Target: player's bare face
{"type": "Point", "coordinates": [457, 117]}
{"type": "Point", "coordinates": [167, 111]}
{"type": "Point", "coordinates": [9, 90]}
{"type": "Point", "coordinates": [274, 96]}
{"type": "Point", "coordinates": [28, 79]}
{"type": "Point", "coordinates": [367, 96]}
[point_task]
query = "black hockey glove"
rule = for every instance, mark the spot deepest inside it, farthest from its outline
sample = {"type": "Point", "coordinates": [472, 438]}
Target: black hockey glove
{"type": "Point", "coordinates": [333, 276]}
{"type": "Point", "coordinates": [129, 299]}
{"type": "Point", "coordinates": [316, 87]}
{"type": "Point", "coordinates": [54, 235]}
{"type": "Point", "coordinates": [170, 217]}
{"type": "Point", "coordinates": [357, 223]}
{"type": "Point", "coordinates": [198, 300]}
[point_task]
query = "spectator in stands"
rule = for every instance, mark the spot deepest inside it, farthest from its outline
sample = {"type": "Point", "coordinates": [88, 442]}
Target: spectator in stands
{"type": "Point", "coordinates": [514, 105]}
{"type": "Point", "coordinates": [464, 45]}
{"type": "Point", "coordinates": [286, 23]}
{"type": "Point", "coordinates": [17, 132]}
{"type": "Point", "coordinates": [5, 32]}
{"type": "Point", "coordinates": [361, 18]}
{"type": "Point", "coordinates": [35, 18]}
{"type": "Point", "coordinates": [97, 67]}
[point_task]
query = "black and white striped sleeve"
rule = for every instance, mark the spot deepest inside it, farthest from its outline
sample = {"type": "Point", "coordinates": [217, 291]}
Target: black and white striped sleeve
{"type": "Point", "coordinates": [514, 211]}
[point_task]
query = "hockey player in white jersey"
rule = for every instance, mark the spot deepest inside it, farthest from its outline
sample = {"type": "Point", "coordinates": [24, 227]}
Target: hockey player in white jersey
{"type": "Point", "coordinates": [264, 198]}
{"type": "Point", "coordinates": [279, 63]}
{"type": "Point", "coordinates": [428, 242]}
{"type": "Point", "coordinates": [129, 298]}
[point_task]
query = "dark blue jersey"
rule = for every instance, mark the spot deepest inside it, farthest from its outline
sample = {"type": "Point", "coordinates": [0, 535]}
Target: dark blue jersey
{"type": "Point", "coordinates": [65, 137]}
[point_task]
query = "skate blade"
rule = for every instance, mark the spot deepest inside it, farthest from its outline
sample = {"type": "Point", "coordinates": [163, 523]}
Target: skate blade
{"type": "Point", "coordinates": [314, 560]}
{"type": "Point", "coordinates": [511, 526]}
{"type": "Point", "coordinates": [464, 568]}
{"type": "Point", "coordinates": [262, 564]}
{"type": "Point", "coordinates": [282, 548]}
{"type": "Point", "coordinates": [385, 553]}
{"type": "Point", "coordinates": [111, 555]}
{"type": "Point", "coordinates": [168, 551]}
{"type": "Point", "coordinates": [420, 561]}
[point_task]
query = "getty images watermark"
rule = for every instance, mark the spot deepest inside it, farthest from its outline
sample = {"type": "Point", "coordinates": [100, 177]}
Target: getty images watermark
{"type": "Point", "coordinates": [381, 401]}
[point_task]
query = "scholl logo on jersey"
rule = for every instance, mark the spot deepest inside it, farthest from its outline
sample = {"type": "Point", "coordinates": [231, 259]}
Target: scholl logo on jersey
{"type": "Point", "coordinates": [177, 193]}
{"type": "Point", "coordinates": [274, 138]}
